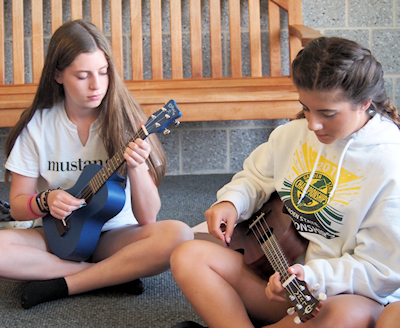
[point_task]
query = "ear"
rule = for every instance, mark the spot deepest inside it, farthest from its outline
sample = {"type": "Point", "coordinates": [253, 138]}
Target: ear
{"type": "Point", "coordinates": [58, 77]}
{"type": "Point", "coordinates": [364, 106]}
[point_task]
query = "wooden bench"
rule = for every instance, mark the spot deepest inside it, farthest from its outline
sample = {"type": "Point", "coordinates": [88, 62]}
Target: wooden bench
{"type": "Point", "coordinates": [217, 97]}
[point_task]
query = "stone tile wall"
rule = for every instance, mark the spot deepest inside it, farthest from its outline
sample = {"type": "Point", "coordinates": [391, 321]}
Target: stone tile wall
{"type": "Point", "coordinates": [221, 147]}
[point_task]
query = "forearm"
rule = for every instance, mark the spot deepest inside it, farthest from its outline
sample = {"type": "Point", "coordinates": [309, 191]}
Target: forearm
{"type": "Point", "coordinates": [25, 208]}
{"type": "Point", "coordinates": [22, 200]}
{"type": "Point", "coordinates": [145, 199]}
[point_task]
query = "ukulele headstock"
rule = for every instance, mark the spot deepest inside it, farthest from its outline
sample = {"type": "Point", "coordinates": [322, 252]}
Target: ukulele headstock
{"type": "Point", "coordinates": [159, 120]}
{"type": "Point", "coordinates": [302, 300]}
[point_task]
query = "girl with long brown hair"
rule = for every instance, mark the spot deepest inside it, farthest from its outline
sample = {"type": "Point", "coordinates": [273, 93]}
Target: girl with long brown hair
{"type": "Point", "coordinates": [82, 113]}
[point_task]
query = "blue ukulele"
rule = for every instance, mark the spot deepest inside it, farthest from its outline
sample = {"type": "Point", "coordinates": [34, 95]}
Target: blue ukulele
{"type": "Point", "coordinates": [75, 238]}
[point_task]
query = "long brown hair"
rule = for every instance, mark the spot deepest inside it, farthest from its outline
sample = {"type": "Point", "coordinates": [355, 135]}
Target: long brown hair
{"type": "Point", "coordinates": [337, 63]}
{"type": "Point", "coordinates": [120, 115]}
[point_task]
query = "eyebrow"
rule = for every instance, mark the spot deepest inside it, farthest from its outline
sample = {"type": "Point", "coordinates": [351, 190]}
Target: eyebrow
{"type": "Point", "coordinates": [319, 110]}
{"type": "Point", "coordinates": [86, 71]}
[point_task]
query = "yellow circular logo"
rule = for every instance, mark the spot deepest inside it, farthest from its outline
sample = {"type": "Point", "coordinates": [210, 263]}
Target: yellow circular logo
{"type": "Point", "coordinates": [317, 194]}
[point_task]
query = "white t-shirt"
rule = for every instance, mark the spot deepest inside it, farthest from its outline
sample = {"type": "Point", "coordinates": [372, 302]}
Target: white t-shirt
{"type": "Point", "coordinates": [49, 149]}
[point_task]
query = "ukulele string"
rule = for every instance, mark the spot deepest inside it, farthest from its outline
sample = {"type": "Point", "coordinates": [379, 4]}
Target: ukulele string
{"type": "Point", "coordinates": [265, 235]}
{"type": "Point", "coordinates": [107, 170]}
{"type": "Point", "coordinates": [99, 179]}
{"type": "Point", "coordinates": [87, 191]}
{"type": "Point", "coordinates": [293, 285]}
{"type": "Point", "coordinates": [277, 257]}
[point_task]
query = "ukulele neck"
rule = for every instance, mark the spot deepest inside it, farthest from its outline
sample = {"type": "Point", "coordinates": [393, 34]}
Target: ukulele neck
{"type": "Point", "coordinates": [114, 163]}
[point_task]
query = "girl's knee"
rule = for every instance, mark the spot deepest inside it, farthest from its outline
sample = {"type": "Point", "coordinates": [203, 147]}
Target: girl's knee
{"type": "Point", "coordinates": [185, 256]}
{"type": "Point", "coordinates": [177, 231]}
{"type": "Point", "coordinates": [349, 311]}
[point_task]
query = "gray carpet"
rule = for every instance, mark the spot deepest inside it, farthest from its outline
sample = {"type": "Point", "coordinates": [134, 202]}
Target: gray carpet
{"type": "Point", "coordinates": [162, 304]}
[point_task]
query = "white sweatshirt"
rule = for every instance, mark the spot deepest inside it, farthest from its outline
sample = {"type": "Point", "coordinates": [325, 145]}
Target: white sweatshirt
{"type": "Point", "coordinates": [349, 210]}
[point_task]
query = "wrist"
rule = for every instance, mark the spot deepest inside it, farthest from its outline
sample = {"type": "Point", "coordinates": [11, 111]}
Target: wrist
{"type": "Point", "coordinates": [29, 207]}
{"type": "Point", "coordinates": [40, 201]}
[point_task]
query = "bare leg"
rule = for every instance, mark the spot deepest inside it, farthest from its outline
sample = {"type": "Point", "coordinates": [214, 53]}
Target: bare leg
{"type": "Point", "coordinates": [390, 316]}
{"type": "Point", "coordinates": [220, 287]}
{"type": "Point", "coordinates": [347, 311]}
{"type": "Point", "coordinates": [24, 255]}
{"type": "Point", "coordinates": [123, 255]}
{"type": "Point", "coordinates": [129, 253]}
{"type": "Point", "coordinates": [225, 292]}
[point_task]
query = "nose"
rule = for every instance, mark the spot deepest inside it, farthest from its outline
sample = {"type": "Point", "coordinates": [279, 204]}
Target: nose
{"type": "Point", "coordinates": [95, 82]}
{"type": "Point", "coordinates": [314, 124]}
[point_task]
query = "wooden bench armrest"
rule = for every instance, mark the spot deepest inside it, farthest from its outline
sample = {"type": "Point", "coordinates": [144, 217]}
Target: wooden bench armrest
{"type": "Point", "coordinates": [304, 33]}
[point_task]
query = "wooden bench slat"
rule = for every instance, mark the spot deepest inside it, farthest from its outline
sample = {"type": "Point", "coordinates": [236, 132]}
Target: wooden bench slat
{"type": "Point", "coordinates": [116, 35]}
{"type": "Point", "coordinates": [156, 40]}
{"type": "Point", "coordinates": [213, 95]}
{"type": "Point", "coordinates": [304, 33]}
{"type": "Point", "coordinates": [255, 38]}
{"type": "Point", "coordinates": [136, 40]}
{"type": "Point", "coordinates": [284, 4]}
{"type": "Point", "coordinates": [199, 112]}
{"type": "Point", "coordinates": [235, 38]}
{"type": "Point", "coordinates": [9, 117]}
{"type": "Point", "coordinates": [176, 39]}
{"type": "Point", "coordinates": [215, 38]}
{"type": "Point", "coordinates": [269, 83]}
{"type": "Point", "coordinates": [37, 40]}
{"type": "Point", "coordinates": [182, 96]}
{"type": "Point", "coordinates": [76, 9]}
{"type": "Point", "coordinates": [235, 111]}
{"type": "Point", "coordinates": [18, 42]}
{"type": "Point", "coordinates": [295, 17]}
{"type": "Point", "coordinates": [56, 14]}
{"type": "Point", "coordinates": [274, 24]}
{"type": "Point", "coordinates": [96, 13]}
{"type": "Point", "coordinates": [196, 39]}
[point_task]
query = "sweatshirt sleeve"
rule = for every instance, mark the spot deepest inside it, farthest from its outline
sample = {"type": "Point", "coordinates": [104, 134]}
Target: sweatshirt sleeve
{"type": "Point", "coordinates": [251, 187]}
{"type": "Point", "coordinates": [373, 269]}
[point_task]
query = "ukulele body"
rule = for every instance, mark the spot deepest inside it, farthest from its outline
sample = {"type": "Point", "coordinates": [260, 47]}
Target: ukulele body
{"type": "Point", "coordinates": [78, 240]}
{"type": "Point", "coordinates": [244, 241]}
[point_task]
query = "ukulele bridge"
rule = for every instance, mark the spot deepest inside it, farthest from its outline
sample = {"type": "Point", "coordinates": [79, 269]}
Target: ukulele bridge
{"type": "Point", "coordinates": [62, 226]}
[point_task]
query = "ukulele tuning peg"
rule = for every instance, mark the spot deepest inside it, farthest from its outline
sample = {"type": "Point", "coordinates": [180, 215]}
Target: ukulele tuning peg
{"type": "Point", "coordinates": [322, 297]}
{"type": "Point", "coordinates": [315, 287]}
{"type": "Point", "coordinates": [297, 320]}
{"type": "Point", "coordinates": [290, 311]}
{"type": "Point", "coordinates": [177, 123]}
{"type": "Point", "coordinates": [166, 131]}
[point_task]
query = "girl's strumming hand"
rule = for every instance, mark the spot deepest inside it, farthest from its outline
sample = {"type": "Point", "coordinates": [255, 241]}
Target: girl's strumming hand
{"type": "Point", "coordinates": [223, 213]}
{"type": "Point", "coordinates": [62, 204]}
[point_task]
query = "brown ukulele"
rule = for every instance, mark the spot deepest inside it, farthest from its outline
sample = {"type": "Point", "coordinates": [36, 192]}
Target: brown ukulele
{"type": "Point", "coordinates": [264, 240]}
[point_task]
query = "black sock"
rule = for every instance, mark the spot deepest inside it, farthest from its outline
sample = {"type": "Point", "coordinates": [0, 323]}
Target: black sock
{"type": "Point", "coordinates": [41, 291]}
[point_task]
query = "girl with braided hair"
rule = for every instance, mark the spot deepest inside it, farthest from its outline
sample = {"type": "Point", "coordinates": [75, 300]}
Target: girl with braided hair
{"type": "Point", "coordinates": [336, 170]}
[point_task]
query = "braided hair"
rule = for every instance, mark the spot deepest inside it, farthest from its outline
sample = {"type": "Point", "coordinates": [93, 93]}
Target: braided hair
{"type": "Point", "coordinates": [338, 63]}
